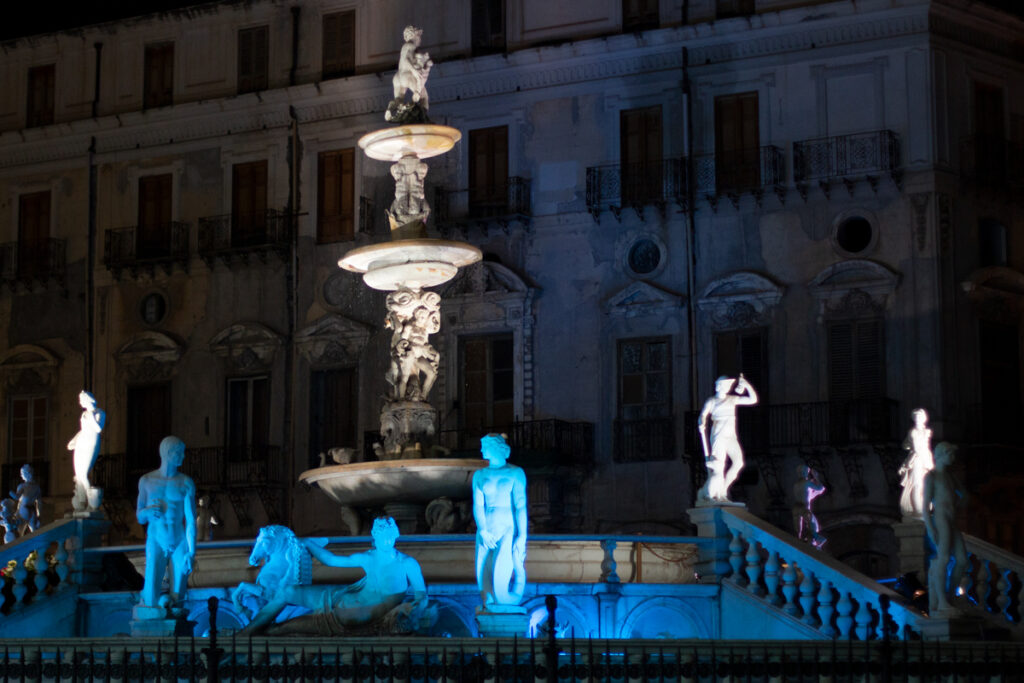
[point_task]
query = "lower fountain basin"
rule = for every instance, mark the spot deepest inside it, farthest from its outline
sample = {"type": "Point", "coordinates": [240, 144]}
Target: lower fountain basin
{"type": "Point", "coordinates": [374, 484]}
{"type": "Point", "coordinates": [412, 263]}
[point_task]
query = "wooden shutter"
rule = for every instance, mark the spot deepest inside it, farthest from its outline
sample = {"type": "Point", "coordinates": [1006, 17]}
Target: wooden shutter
{"type": "Point", "coordinates": [333, 410]}
{"type": "Point", "coordinates": [339, 44]}
{"type": "Point", "coordinates": [148, 421]}
{"type": "Point", "coordinates": [253, 53]}
{"type": "Point", "coordinates": [856, 359]}
{"type": "Point", "coordinates": [159, 75]}
{"type": "Point", "coordinates": [153, 238]}
{"type": "Point", "coordinates": [639, 15]}
{"type": "Point", "coordinates": [33, 233]}
{"type": "Point", "coordinates": [488, 26]}
{"type": "Point", "coordinates": [249, 203]}
{"type": "Point", "coordinates": [41, 81]}
{"type": "Point", "coordinates": [640, 143]}
{"type": "Point", "coordinates": [28, 429]}
{"type": "Point", "coordinates": [336, 197]}
{"type": "Point", "coordinates": [737, 141]}
{"type": "Point", "coordinates": [488, 170]}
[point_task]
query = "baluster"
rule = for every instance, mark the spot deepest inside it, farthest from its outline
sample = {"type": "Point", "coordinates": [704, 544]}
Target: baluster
{"type": "Point", "coordinates": [789, 589]}
{"type": "Point", "coordinates": [608, 563]}
{"type": "Point", "coordinates": [1003, 592]}
{"type": "Point", "coordinates": [844, 609]}
{"type": "Point", "coordinates": [771, 578]}
{"type": "Point", "coordinates": [39, 578]}
{"type": "Point", "coordinates": [754, 569]}
{"type": "Point", "coordinates": [807, 598]}
{"type": "Point", "coordinates": [825, 609]}
{"type": "Point", "coordinates": [20, 587]}
{"type": "Point", "coordinates": [736, 557]}
{"type": "Point", "coordinates": [863, 618]}
{"type": "Point", "coordinates": [982, 581]}
{"type": "Point", "coordinates": [61, 566]}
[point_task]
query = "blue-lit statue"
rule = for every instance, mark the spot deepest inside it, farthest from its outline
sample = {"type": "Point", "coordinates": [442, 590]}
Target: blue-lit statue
{"type": "Point", "coordinates": [942, 494]}
{"type": "Point", "coordinates": [499, 509]}
{"type": "Point", "coordinates": [30, 497]}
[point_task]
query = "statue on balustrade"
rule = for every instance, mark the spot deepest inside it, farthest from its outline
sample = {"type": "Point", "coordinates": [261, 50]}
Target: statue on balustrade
{"type": "Point", "coordinates": [30, 499]}
{"type": "Point", "coordinates": [499, 509]}
{"type": "Point", "coordinates": [86, 447]}
{"type": "Point", "coordinates": [942, 494]}
{"type": "Point", "coordinates": [723, 456]}
{"type": "Point", "coordinates": [805, 490]}
{"type": "Point", "coordinates": [9, 519]}
{"type": "Point", "coordinates": [390, 599]}
{"type": "Point", "coordinates": [918, 463]}
{"type": "Point", "coordinates": [166, 507]}
{"type": "Point", "coordinates": [411, 77]}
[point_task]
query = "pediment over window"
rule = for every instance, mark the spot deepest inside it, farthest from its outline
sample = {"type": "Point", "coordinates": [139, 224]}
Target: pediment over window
{"type": "Point", "coordinates": [28, 366]}
{"type": "Point", "coordinates": [642, 298]}
{"type": "Point", "coordinates": [149, 357]}
{"type": "Point", "coordinates": [246, 346]}
{"type": "Point", "coordinates": [484, 277]}
{"type": "Point", "coordinates": [742, 299]}
{"type": "Point", "coordinates": [853, 288]}
{"type": "Point", "coordinates": [333, 340]}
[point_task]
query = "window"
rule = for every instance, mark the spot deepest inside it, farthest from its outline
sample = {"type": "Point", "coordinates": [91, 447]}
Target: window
{"type": "Point", "coordinates": [147, 422]}
{"type": "Point", "coordinates": [725, 9]}
{"type": "Point", "coordinates": [488, 171]}
{"type": "Point", "coordinates": [644, 430]}
{"type": "Point", "coordinates": [488, 26]}
{"type": "Point", "coordinates": [159, 78]}
{"type": "Point", "coordinates": [991, 243]}
{"type": "Point", "coordinates": [153, 237]}
{"type": "Point", "coordinates": [737, 142]}
{"type": "Point", "coordinates": [854, 235]}
{"type": "Point", "coordinates": [639, 15]}
{"type": "Point", "coordinates": [339, 46]}
{"type": "Point", "coordinates": [33, 234]}
{"type": "Point", "coordinates": [333, 411]}
{"type": "Point", "coordinates": [28, 420]}
{"type": "Point", "coordinates": [640, 154]}
{"type": "Point", "coordinates": [248, 428]}
{"type": "Point", "coordinates": [856, 381]}
{"type": "Point", "coordinates": [336, 196]}
{"type": "Point", "coordinates": [487, 384]}
{"type": "Point", "coordinates": [253, 56]}
{"type": "Point", "coordinates": [999, 355]}
{"type": "Point", "coordinates": [40, 96]}
{"type": "Point", "coordinates": [249, 204]}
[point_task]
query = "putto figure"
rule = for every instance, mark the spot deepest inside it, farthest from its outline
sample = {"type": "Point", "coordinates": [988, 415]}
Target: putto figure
{"type": "Point", "coordinates": [86, 446]}
{"type": "Point", "coordinates": [412, 316]}
{"type": "Point", "coordinates": [942, 494]}
{"type": "Point", "coordinates": [166, 506]}
{"type": "Point", "coordinates": [805, 490]}
{"type": "Point", "coordinates": [499, 509]}
{"type": "Point", "coordinates": [413, 69]}
{"type": "Point", "coordinates": [724, 456]}
{"type": "Point", "coordinates": [918, 463]}
{"type": "Point", "coordinates": [30, 497]}
{"type": "Point", "coordinates": [9, 519]}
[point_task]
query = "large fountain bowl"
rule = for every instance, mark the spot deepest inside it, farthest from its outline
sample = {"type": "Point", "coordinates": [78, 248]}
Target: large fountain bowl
{"type": "Point", "coordinates": [375, 484]}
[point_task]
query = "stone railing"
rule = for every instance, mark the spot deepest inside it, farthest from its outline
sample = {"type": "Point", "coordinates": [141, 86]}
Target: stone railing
{"type": "Point", "coordinates": [993, 582]}
{"type": "Point", "coordinates": [806, 584]}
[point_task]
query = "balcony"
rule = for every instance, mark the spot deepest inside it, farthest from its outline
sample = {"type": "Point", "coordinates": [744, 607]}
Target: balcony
{"type": "Point", "coordinates": [645, 440]}
{"type": "Point", "coordinates": [847, 158]}
{"type": "Point", "coordinates": [37, 261]}
{"type": "Point", "coordinates": [614, 187]}
{"type": "Point", "coordinates": [138, 249]}
{"type": "Point", "coordinates": [535, 443]}
{"type": "Point", "coordinates": [736, 172]}
{"type": "Point", "coordinates": [237, 237]}
{"type": "Point", "coordinates": [483, 206]}
{"type": "Point", "coordinates": [992, 161]}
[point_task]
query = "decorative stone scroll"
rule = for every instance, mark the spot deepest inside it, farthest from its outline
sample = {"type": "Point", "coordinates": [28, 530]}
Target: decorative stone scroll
{"type": "Point", "coordinates": [853, 288]}
{"type": "Point", "coordinates": [246, 346]}
{"type": "Point", "coordinates": [740, 300]}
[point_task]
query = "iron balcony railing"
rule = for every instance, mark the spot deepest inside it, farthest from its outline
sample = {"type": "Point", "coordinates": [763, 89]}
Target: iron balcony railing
{"type": "Point", "coordinates": [738, 171]}
{"type": "Point", "coordinates": [32, 260]}
{"type": "Point", "coordinates": [137, 246]}
{"type": "Point", "coordinates": [241, 234]}
{"type": "Point", "coordinates": [367, 215]}
{"type": "Point", "coordinates": [992, 160]}
{"type": "Point", "coordinates": [535, 443]}
{"type": "Point", "coordinates": [503, 202]}
{"type": "Point", "coordinates": [644, 440]}
{"type": "Point", "coordinates": [612, 187]}
{"type": "Point", "coordinates": [842, 156]}
{"type": "Point", "coordinates": [811, 424]}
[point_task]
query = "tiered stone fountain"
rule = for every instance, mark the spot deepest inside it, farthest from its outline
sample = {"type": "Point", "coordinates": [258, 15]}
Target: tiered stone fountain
{"type": "Point", "coordinates": [404, 481]}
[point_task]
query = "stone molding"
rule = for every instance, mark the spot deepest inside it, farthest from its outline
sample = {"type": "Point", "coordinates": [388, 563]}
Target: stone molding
{"type": "Point", "coordinates": [246, 347]}
{"type": "Point", "coordinates": [740, 300]}
{"type": "Point", "coordinates": [333, 341]}
{"type": "Point", "coordinates": [642, 298]}
{"type": "Point", "coordinates": [28, 365]}
{"type": "Point", "coordinates": [149, 357]}
{"type": "Point", "coordinates": [853, 288]}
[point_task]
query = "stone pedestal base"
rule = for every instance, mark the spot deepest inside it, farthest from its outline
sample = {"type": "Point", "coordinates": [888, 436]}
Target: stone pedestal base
{"type": "Point", "coordinates": [408, 428]}
{"type": "Point", "coordinates": [502, 621]}
{"type": "Point", "coordinates": [914, 550]}
{"type": "Point", "coordinates": [155, 621]}
{"type": "Point", "coordinates": [951, 624]}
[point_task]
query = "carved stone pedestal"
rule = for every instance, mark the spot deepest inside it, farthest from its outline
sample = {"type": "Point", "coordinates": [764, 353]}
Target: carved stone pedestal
{"type": "Point", "coordinates": [914, 548]}
{"type": "Point", "coordinates": [403, 425]}
{"type": "Point", "coordinates": [157, 621]}
{"type": "Point", "coordinates": [502, 621]}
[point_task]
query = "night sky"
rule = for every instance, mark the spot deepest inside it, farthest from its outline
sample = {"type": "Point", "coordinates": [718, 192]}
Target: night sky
{"type": "Point", "coordinates": [46, 17]}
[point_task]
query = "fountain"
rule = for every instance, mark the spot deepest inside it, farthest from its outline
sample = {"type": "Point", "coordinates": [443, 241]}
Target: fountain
{"type": "Point", "coordinates": [403, 481]}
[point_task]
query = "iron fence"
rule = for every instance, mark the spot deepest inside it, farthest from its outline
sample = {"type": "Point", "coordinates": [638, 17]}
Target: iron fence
{"type": "Point", "coordinates": [741, 170]}
{"type": "Point", "coordinates": [506, 201]}
{"type": "Point", "coordinates": [32, 260]}
{"type": "Point", "coordinates": [841, 156]}
{"type": "Point", "coordinates": [135, 246]}
{"type": "Point", "coordinates": [534, 443]}
{"type": "Point", "coordinates": [645, 440]}
{"type": "Point", "coordinates": [239, 234]}
{"type": "Point", "coordinates": [616, 186]}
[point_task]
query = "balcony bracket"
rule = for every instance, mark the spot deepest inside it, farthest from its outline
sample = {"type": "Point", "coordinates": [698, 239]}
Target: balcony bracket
{"type": "Point", "coordinates": [595, 213]}
{"type": "Point", "coordinates": [734, 197]}
{"type": "Point", "coordinates": [897, 178]}
{"type": "Point", "coordinates": [272, 502]}
{"type": "Point", "coordinates": [873, 182]}
{"type": "Point", "coordinates": [758, 197]}
{"type": "Point", "coordinates": [616, 211]}
{"type": "Point", "coordinates": [712, 200]}
{"type": "Point", "coordinates": [768, 463]}
{"type": "Point", "coordinates": [639, 210]}
{"type": "Point", "coordinates": [826, 188]}
{"type": "Point", "coordinates": [241, 507]}
{"type": "Point", "coordinates": [801, 188]}
{"type": "Point", "coordinates": [853, 463]}
{"type": "Point", "coordinates": [891, 458]}
{"type": "Point", "coordinates": [780, 192]}
{"type": "Point", "coordinates": [850, 184]}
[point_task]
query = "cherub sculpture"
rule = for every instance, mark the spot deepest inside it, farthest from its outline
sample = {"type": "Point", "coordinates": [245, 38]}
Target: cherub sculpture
{"type": "Point", "coordinates": [413, 316]}
{"type": "Point", "coordinates": [9, 519]}
{"type": "Point", "coordinates": [29, 497]}
{"type": "Point", "coordinates": [413, 69]}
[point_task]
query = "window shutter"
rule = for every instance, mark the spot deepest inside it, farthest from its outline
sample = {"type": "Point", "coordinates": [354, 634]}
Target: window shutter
{"type": "Point", "coordinates": [869, 362]}
{"type": "Point", "coordinates": [840, 361]}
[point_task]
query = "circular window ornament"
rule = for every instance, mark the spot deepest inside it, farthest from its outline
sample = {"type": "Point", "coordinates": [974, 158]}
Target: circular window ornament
{"type": "Point", "coordinates": [642, 256]}
{"type": "Point", "coordinates": [854, 233]}
{"type": "Point", "coordinates": [153, 308]}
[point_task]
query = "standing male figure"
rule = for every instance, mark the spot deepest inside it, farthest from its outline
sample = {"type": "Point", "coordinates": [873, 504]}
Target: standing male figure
{"type": "Point", "coordinates": [167, 504]}
{"type": "Point", "coordinates": [499, 509]}
{"type": "Point", "coordinates": [942, 492]}
{"type": "Point", "coordinates": [724, 456]}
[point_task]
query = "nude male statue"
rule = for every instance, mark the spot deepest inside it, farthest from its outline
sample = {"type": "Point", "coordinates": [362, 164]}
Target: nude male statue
{"type": "Point", "coordinates": [29, 496]}
{"type": "Point", "coordinates": [724, 456]}
{"type": "Point", "coordinates": [499, 509]}
{"type": "Point", "coordinates": [942, 493]}
{"type": "Point", "coordinates": [166, 505]}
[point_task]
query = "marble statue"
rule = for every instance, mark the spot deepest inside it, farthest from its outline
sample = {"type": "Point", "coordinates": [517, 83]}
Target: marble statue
{"type": "Point", "coordinates": [9, 519]}
{"type": "Point", "coordinates": [805, 490]}
{"type": "Point", "coordinates": [942, 493]}
{"type": "Point", "coordinates": [723, 456]}
{"type": "Point", "coordinates": [499, 509]}
{"type": "Point", "coordinates": [411, 78]}
{"type": "Point", "coordinates": [919, 461]}
{"type": "Point", "coordinates": [86, 447]}
{"type": "Point", "coordinates": [412, 317]}
{"type": "Point", "coordinates": [30, 499]}
{"type": "Point", "coordinates": [166, 507]}
{"type": "Point", "coordinates": [380, 600]}
{"type": "Point", "coordinates": [282, 555]}
{"type": "Point", "coordinates": [410, 202]}
{"type": "Point", "coordinates": [205, 519]}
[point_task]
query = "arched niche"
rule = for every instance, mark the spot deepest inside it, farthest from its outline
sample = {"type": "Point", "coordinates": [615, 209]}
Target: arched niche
{"type": "Point", "coordinates": [659, 618]}
{"type": "Point", "coordinates": [246, 347]}
{"type": "Point", "coordinates": [28, 367]}
{"type": "Point", "coordinates": [739, 300]}
{"type": "Point", "coordinates": [569, 619]}
{"type": "Point", "coordinates": [853, 288]}
{"type": "Point", "coordinates": [332, 341]}
{"type": "Point", "coordinates": [149, 357]}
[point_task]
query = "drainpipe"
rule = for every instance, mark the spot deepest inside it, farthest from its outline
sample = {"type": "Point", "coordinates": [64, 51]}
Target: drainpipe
{"type": "Point", "coordinates": [96, 82]}
{"type": "Point", "coordinates": [691, 244]}
{"type": "Point", "coordinates": [90, 266]}
{"type": "Point", "coordinates": [295, 45]}
{"type": "Point", "coordinates": [291, 294]}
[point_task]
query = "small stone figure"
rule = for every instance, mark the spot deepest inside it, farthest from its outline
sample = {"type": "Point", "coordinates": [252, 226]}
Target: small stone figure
{"type": "Point", "coordinates": [724, 457]}
{"type": "Point", "coordinates": [86, 445]}
{"type": "Point", "coordinates": [205, 519]}
{"type": "Point", "coordinates": [30, 499]}
{"type": "Point", "coordinates": [412, 316]}
{"type": "Point", "coordinates": [413, 70]}
{"type": "Point", "coordinates": [499, 509]}
{"type": "Point", "coordinates": [805, 490]}
{"type": "Point", "coordinates": [9, 519]}
{"type": "Point", "coordinates": [410, 198]}
{"type": "Point", "coordinates": [942, 493]}
{"type": "Point", "coordinates": [379, 599]}
{"type": "Point", "coordinates": [918, 463]}
{"type": "Point", "coordinates": [166, 506]}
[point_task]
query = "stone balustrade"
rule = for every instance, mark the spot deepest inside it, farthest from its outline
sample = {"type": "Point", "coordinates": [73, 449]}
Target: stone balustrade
{"type": "Point", "coordinates": [993, 581]}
